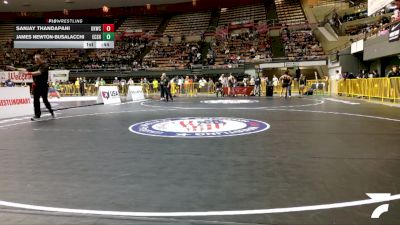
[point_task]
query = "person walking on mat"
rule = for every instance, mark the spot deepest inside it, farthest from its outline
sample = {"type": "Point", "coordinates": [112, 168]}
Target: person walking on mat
{"type": "Point", "coordinates": [286, 80]}
{"type": "Point", "coordinates": [40, 87]}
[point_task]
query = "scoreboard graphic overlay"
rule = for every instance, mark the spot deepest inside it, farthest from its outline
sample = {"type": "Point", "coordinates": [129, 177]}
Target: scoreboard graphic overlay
{"type": "Point", "coordinates": [65, 33]}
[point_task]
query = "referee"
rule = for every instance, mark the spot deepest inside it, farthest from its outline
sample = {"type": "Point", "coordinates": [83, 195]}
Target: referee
{"type": "Point", "coordinates": [40, 75]}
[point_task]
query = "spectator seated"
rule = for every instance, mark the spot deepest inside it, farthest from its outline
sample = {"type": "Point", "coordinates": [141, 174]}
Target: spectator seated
{"type": "Point", "coordinates": [301, 45]}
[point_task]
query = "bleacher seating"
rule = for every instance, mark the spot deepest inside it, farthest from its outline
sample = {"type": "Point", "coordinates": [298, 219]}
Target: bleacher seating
{"type": "Point", "coordinates": [242, 49]}
{"type": "Point", "coordinates": [290, 12]}
{"type": "Point", "coordinates": [194, 23]}
{"type": "Point", "coordinates": [140, 23]}
{"type": "Point", "coordinates": [170, 51]}
{"type": "Point", "coordinates": [253, 12]}
{"type": "Point", "coordinates": [172, 55]}
{"type": "Point", "coordinates": [301, 45]}
{"type": "Point", "coordinates": [6, 31]}
{"type": "Point", "coordinates": [359, 22]}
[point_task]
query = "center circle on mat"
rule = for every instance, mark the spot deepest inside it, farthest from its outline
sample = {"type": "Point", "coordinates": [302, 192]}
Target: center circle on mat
{"type": "Point", "coordinates": [228, 101]}
{"type": "Point", "coordinates": [199, 127]}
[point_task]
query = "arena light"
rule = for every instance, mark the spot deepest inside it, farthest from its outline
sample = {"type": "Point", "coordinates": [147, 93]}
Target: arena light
{"type": "Point", "coordinates": [5, 2]}
{"type": "Point", "coordinates": [105, 9]}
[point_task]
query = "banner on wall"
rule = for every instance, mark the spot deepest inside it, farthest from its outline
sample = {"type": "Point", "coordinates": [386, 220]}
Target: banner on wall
{"type": "Point", "coordinates": [15, 76]}
{"type": "Point", "coordinates": [376, 5]}
{"type": "Point", "coordinates": [58, 75]}
{"type": "Point", "coordinates": [394, 33]}
{"type": "Point", "coordinates": [20, 77]}
{"type": "Point", "coordinates": [15, 101]}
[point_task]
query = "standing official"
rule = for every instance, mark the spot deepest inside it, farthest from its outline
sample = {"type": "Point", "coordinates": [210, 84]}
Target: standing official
{"type": "Point", "coordinates": [40, 74]}
{"type": "Point", "coordinates": [163, 85]}
{"type": "Point", "coordinates": [166, 86]}
{"type": "Point", "coordinates": [286, 81]}
{"type": "Point", "coordinates": [257, 86]}
{"type": "Point", "coordinates": [82, 84]}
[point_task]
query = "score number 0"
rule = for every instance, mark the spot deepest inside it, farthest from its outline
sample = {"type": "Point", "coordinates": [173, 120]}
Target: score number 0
{"type": "Point", "coordinates": [108, 27]}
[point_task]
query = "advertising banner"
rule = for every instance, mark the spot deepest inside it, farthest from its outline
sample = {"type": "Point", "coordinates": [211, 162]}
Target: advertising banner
{"type": "Point", "coordinates": [15, 76]}
{"type": "Point", "coordinates": [135, 93]}
{"type": "Point", "coordinates": [108, 95]}
{"type": "Point", "coordinates": [15, 102]}
{"type": "Point", "coordinates": [59, 75]}
{"type": "Point", "coordinates": [19, 76]}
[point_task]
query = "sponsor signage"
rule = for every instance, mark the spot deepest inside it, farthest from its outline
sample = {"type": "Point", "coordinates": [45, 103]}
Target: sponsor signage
{"type": "Point", "coordinates": [135, 93]}
{"type": "Point", "coordinates": [15, 102]}
{"type": "Point", "coordinates": [199, 127]}
{"type": "Point", "coordinates": [292, 64]}
{"type": "Point", "coordinates": [15, 76]}
{"type": "Point", "coordinates": [108, 95]}
{"type": "Point", "coordinates": [59, 75]}
{"type": "Point", "coordinates": [20, 77]}
{"type": "Point", "coordinates": [394, 33]}
{"type": "Point", "coordinates": [240, 90]}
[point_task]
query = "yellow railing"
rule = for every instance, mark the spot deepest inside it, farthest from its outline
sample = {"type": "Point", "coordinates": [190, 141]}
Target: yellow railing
{"type": "Point", "coordinates": [382, 88]}
{"type": "Point", "coordinates": [320, 87]}
{"type": "Point", "coordinates": [91, 89]}
{"type": "Point", "coordinates": [187, 89]}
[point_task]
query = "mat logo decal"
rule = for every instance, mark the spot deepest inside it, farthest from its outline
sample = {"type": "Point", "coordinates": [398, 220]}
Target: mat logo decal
{"type": "Point", "coordinates": [199, 127]}
{"type": "Point", "coordinates": [202, 125]}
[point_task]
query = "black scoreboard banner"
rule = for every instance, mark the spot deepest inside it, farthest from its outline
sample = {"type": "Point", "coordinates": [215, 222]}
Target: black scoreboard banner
{"type": "Point", "coordinates": [64, 33]}
{"type": "Point", "coordinates": [65, 28]}
{"type": "Point", "coordinates": [53, 36]}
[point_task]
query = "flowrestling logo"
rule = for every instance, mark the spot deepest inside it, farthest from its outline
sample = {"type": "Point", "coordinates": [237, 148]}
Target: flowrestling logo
{"type": "Point", "coordinates": [199, 127]}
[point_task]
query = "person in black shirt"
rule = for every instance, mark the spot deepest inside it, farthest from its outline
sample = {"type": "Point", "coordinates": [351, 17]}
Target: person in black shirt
{"type": "Point", "coordinates": [168, 89]}
{"type": "Point", "coordinates": [257, 86]}
{"type": "Point", "coordinates": [394, 72]}
{"type": "Point", "coordinates": [219, 89]}
{"type": "Point", "coordinates": [82, 83]}
{"type": "Point", "coordinates": [40, 75]}
{"type": "Point", "coordinates": [165, 87]}
{"type": "Point", "coordinates": [286, 81]}
{"type": "Point", "coordinates": [162, 86]}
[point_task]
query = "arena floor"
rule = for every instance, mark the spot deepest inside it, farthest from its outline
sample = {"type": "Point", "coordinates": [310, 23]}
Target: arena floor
{"type": "Point", "coordinates": [305, 160]}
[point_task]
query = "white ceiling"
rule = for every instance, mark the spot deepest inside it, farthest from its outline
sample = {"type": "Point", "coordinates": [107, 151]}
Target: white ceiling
{"type": "Point", "coordinates": [59, 5]}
